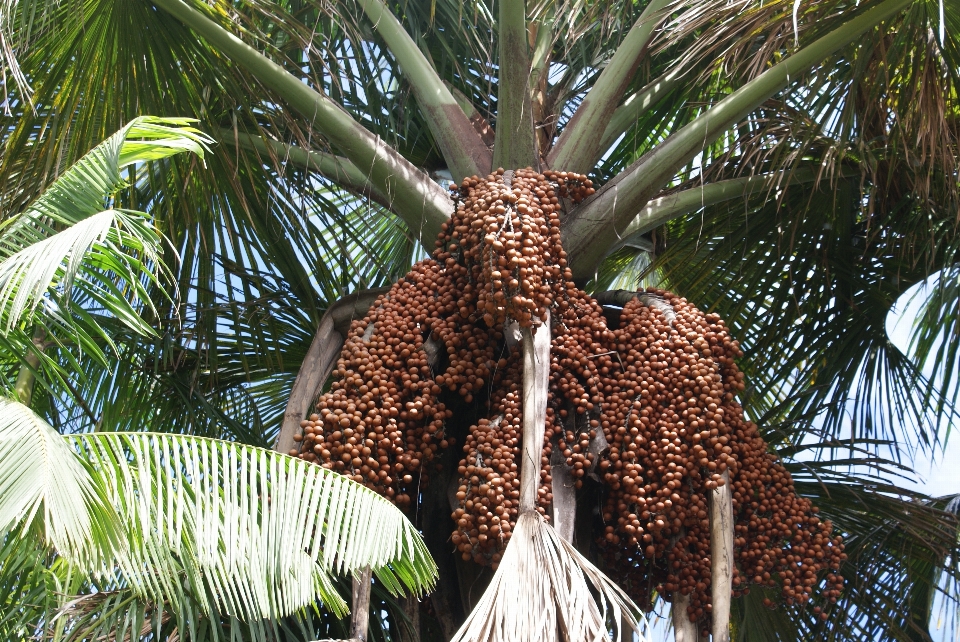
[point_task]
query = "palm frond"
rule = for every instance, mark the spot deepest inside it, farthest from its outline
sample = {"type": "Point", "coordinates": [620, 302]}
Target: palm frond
{"type": "Point", "coordinates": [39, 255]}
{"type": "Point", "coordinates": [110, 242]}
{"type": "Point", "coordinates": [807, 292]}
{"type": "Point", "coordinates": [81, 260]}
{"type": "Point", "coordinates": [81, 190]}
{"type": "Point", "coordinates": [27, 583]}
{"type": "Point", "coordinates": [42, 475]}
{"type": "Point", "coordinates": [887, 103]}
{"type": "Point", "coordinates": [234, 530]}
{"type": "Point", "coordinates": [889, 534]}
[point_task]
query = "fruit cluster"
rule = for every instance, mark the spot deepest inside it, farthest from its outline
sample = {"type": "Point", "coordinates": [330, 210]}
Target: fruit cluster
{"type": "Point", "coordinates": [382, 421]}
{"type": "Point", "coordinates": [506, 234]}
{"type": "Point", "coordinates": [642, 402]}
{"type": "Point", "coordinates": [674, 428]}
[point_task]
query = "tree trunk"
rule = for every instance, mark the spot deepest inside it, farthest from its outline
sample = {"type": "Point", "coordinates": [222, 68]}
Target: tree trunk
{"type": "Point", "coordinates": [360, 609]}
{"type": "Point", "coordinates": [683, 629]}
{"type": "Point", "coordinates": [26, 378]}
{"type": "Point", "coordinates": [435, 524]}
{"type": "Point", "coordinates": [411, 608]}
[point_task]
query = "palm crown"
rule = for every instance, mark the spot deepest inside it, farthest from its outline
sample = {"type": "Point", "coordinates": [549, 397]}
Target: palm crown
{"type": "Point", "coordinates": [791, 166]}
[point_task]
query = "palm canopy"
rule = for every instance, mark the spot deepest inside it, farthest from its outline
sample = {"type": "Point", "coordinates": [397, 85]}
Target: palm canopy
{"type": "Point", "coordinates": [792, 166]}
{"type": "Point", "coordinates": [156, 534]}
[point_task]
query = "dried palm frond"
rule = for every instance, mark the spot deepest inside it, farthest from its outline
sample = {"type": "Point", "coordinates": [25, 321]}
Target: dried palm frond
{"type": "Point", "coordinates": [544, 590]}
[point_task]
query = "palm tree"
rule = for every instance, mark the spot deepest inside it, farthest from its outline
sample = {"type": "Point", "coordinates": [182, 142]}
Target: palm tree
{"type": "Point", "coordinates": [790, 166]}
{"type": "Point", "coordinates": [152, 534]}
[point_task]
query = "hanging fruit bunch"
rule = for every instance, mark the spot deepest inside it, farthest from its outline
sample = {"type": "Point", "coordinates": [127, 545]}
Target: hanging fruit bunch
{"type": "Point", "coordinates": [642, 403]}
{"type": "Point", "coordinates": [675, 431]}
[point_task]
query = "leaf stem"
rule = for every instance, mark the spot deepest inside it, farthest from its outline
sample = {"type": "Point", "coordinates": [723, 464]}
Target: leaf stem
{"type": "Point", "coordinates": [335, 168]}
{"type": "Point", "coordinates": [666, 208]}
{"type": "Point", "coordinates": [576, 150]}
{"type": "Point", "coordinates": [634, 106]}
{"type": "Point", "coordinates": [596, 220]}
{"type": "Point", "coordinates": [27, 377]}
{"type": "Point", "coordinates": [419, 201]}
{"type": "Point", "coordinates": [536, 380]}
{"type": "Point", "coordinates": [465, 153]}
{"type": "Point", "coordinates": [516, 142]}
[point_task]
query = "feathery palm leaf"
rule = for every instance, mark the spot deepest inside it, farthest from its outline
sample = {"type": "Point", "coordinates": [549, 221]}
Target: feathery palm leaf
{"type": "Point", "coordinates": [817, 332]}
{"type": "Point", "coordinates": [28, 589]}
{"type": "Point", "coordinates": [206, 527]}
{"type": "Point", "coordinates": [84, 260]}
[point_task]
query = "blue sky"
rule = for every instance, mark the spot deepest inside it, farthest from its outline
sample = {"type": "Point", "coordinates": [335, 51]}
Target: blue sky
{"type": "Point", "coordinates": [940, 474]}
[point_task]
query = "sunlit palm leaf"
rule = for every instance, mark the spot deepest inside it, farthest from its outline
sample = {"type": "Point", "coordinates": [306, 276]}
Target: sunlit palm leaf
{"type": "Point", "coordinates": [209, 526]}
{"type": "Point", "coordinates": [101, 244]}
{"type": "Point", "coordinates": [82, 189]}
{"type": "Point", "coordinates": [42, 475]}
{"type": "Point", "coordinates": [84, 261]}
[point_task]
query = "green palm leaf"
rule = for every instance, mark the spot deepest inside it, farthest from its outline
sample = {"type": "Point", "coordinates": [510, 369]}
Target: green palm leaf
{"type": "Point", "coordinates": [88, 261]}
{"type": "Point", "coordinates": [80, 191]}
{"type": "Point", "coordinates": [28, 583]}
{"type": "Point", "coordinates": [204, 526]}
{"type": "Point", "coordinates": [267, 245]}
{"type": "Point", "coordinates": [104, 243]}
{"type": "Point", "coordinates": [42, 475]}
{"type": "Point", "coordinates": [38, 254]}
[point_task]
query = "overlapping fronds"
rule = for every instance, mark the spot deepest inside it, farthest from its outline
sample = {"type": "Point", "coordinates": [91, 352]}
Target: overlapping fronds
{"type": "Point", "coordinates": [887, 103]}
{"type": "Point", "coordinates": [246, 515]}
{"type": "Point", "coordinates": [267, 245]}
{"type": "Point", "coordinates": [264, 245]}
{"type": "Point", "coordinates": [70, 227]}
{"type": "Point", "coordinates": [91, 266]}
{"type": "Point", "coordinates": [806, 285]}
{"type": "Point", "coordinates": [113, 611]}
{"type": "Point", "coordinates": [27, 583]}
{"type": "Point", "coordinates": [936, 328]}
{"type": "Point", "coordinates": [82, 189]}
{"type": "Point", "coordinates": [112, 241]}
{"type": "Point", "coordinates": [42, 475]}
{"type": "Point", "coordinates": [260, 340]}
{"type": "Point", "coordinates": [202, 526]}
